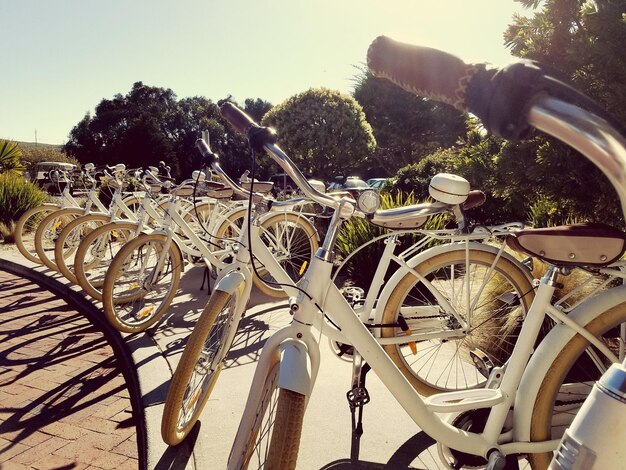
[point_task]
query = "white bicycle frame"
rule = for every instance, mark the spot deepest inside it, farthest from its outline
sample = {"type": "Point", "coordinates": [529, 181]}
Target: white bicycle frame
{"type": "Point", "coordinates": [519, 386]}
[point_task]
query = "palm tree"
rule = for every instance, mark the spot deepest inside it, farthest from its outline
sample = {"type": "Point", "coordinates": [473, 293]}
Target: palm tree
{"type": "Point", "coordinates": [10, 155]}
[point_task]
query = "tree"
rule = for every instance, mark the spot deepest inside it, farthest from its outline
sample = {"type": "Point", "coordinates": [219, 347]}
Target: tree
{"type": "Point", "coordinates": [324, 132]}
{"type": "Point", "coordinates": [585, 40]}
{"type": "Point", "coordinates": [406, 127]}
{"type": "Point", "coordinates": [135, 129]}
{"type": "Point", "coordinates": [149, 125]}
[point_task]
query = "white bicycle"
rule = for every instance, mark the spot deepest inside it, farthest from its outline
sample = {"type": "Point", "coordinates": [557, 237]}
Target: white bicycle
{"type": "Point", "coordinates": [521, 412]}
{"type": "Point", "coordinates": [464, 265]}
{"type": "Point", "coordinates": [143, 278]}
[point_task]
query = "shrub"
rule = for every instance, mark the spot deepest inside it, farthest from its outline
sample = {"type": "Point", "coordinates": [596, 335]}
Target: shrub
{"type": "Point", "coordinates": [10, 155]}
{"type": "Point", "coordinates": [360, 269]}
{"type": "Point", "coordinates": [16, 196]}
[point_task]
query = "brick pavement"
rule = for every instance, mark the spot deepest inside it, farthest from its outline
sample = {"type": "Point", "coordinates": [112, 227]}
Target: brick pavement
{"type": "Point", "coordinates": [64, 403]}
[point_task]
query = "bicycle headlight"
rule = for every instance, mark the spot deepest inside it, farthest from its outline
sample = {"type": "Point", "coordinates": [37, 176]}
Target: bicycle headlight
{"type": "Point", "coordinates": [368, 201]}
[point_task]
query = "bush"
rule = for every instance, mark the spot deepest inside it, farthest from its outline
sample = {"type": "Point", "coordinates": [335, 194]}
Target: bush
{"type": "Point", "coordinates": [360, 269]}
{"type": "Point", "coordinates": [16, 196]}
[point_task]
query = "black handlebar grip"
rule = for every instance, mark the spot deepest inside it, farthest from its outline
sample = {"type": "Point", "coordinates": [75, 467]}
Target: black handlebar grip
{"type": "Point", "coordinates": [237, 118]}
{"type": "Point", "coordinates": [423, 71]}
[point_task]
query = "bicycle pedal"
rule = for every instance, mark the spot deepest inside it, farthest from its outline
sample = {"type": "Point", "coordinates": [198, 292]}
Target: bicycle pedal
{"type": "Point", "coordinates": [482, 362]}
{"type": "Point", "coordinates": [358, 396]}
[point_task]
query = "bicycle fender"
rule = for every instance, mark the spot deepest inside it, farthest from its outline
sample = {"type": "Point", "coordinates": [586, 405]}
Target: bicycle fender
{"type": "Point", "coordinates": [294, 367]}
{"type": "Point", "coordinates": [231, 282]}
{"type": "Point", "coordinates": [434, 251]}
{"type": "Point", "coordinates": [547, 351]}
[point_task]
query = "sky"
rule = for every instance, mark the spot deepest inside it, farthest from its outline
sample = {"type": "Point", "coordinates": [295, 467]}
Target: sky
{"type": "Point", "coordinates": [62, 57]}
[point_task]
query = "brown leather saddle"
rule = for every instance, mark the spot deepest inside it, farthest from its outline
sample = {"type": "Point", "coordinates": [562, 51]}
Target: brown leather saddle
{"type": "Point", "coordinates": [587, 244]}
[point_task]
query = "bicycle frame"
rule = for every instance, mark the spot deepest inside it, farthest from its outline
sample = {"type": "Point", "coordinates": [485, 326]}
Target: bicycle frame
{"type": "Point", "coordinates": [299, 348]}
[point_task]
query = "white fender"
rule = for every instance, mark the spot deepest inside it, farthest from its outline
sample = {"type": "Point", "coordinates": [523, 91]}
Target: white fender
{"type": "Point", "coordinates": [230, 281]}
{"type": "Point", "coordinates": [294, 367]}
{"type": "Point", "coordinates": [543, 357]}
{"type": "Point", "coordinates": [429, 253]}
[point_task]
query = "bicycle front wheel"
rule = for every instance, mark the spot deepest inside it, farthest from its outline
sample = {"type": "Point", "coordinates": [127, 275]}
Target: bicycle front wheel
{"type": "Point", "coordinates": [200, 366]}
{"type": "Point", "coordinates": [293, 242]}
{"type": "Point", "coordinates": [272, 439]}
{"type": "Point", "coordinates": [570, 379]}
{"type": "Point", "coordinates": [491, 297]}
{"type": "Point", "coordinates": [69, 239]}
{"type": "Point", "coordinates": [141, 283]}
{"type": "Point", "coordinates": [48, 232]}
{"type": "Point", "coordinates": [96, 252]}
{"type": "Point", "coordinates": [26, 226]}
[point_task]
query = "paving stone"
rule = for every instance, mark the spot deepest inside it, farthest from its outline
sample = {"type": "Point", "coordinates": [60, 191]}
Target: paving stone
{"type": "Point", "coordinates": [58, 372]}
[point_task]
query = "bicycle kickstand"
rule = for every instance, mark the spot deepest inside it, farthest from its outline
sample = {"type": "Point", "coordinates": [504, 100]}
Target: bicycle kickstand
{"type": "Point", "coordinates": [206, 277]}
{"type": "Point", "coordinates": [357, 398]}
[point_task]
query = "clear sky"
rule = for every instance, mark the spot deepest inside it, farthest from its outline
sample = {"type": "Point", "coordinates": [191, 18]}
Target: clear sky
{"type": "Point", "coordinates": [60, 58]}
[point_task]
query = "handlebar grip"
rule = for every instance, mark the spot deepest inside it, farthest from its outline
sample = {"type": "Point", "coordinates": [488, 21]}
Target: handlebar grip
{"type": "Point", "coordinates": [423, 71]}
{"type": "Point", "coordinates": [237, 118]}
{"type": "Point", "coordinates": [203, 148]}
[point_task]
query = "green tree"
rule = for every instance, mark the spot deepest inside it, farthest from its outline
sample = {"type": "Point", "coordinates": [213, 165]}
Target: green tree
{"type": "Point", "coordinates": [325, 132]}
{"type": "Point", "coordinates": [149, 125]}
{"type": "Point", "coordinates": [135, 129]}
{"type": "Point", "coordinates": [585, 40]}
{"type": "Point", "coordinates": [406, 127]}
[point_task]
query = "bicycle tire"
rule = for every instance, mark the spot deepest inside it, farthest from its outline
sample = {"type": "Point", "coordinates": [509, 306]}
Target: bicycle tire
{"type": "Point", "coordinates": [273, 438]}
{"type": "Point", "coordinates": [28, 223]}
{"type": "Point", "coordinates": [556, 396]}
{"type": "Point", "coordinates": [292, 250]}
{"type": "Point", "coordinates": [96, 252]}
{"type": "Point", "coordinates": [48, 231]}
{"type": "Point", "coordinates": [196, 373]}
{"type": "Point", "coordinates": [69, 239]}
{"type": "Point", "coordinates": [130, 301]}
{"type": "Point", "coordinates": [437, 365]}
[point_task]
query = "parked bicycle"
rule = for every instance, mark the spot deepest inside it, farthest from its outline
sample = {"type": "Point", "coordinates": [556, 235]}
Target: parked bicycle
{"type": "Point", "coordinates": [521, 412]}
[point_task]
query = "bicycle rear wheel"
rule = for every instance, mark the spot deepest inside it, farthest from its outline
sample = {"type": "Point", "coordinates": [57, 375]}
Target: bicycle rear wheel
{"type": "Point", "coordinates": [96, 252]}
{"type": "Point", "coordinates": [69, 239]}
{"type": "Point", "coordinates": [570, 379]}
{"type": "Point", "coordinates": [48, 232]}
{"type": "Point", "coordinates": [26, 226]}
{"type": "Point", "coordinates": [200, 365]}
{"type": "Point", "coordinates": [493, 301]}
{"type": "Point", "coordinates": [141, 283]}
{"type": "Point", "coordinates": [272, 439]}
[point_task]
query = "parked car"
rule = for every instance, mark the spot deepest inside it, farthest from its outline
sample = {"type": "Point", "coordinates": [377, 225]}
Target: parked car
{"type": "Point", "coordinates": [283, 185]}
{"type": "Point", "coordinates": [376, 183]}
{"type": "Point", "coordinates": [52, 177]}
{"type": "Point", "coordinates": [353, 184]}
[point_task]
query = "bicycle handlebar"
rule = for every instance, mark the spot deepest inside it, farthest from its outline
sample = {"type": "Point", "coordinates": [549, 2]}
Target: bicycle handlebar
{"type": "Point", "coordinates": [510, 101]}
{"type": "Point", "coordinates": [421, 70]}
{"type": "Point", "coordinates": [263, 137]}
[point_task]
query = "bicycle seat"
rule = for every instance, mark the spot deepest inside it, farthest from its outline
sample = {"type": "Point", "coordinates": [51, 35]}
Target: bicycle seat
{"type": "Point", "coordinates": [262, 187]}
{"type": "Point", "coordinates": [220, 193]}
{"type": "Point", "coordinates": [587, 244]}
{"type": "Point", "coordinates": [475, 198]}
